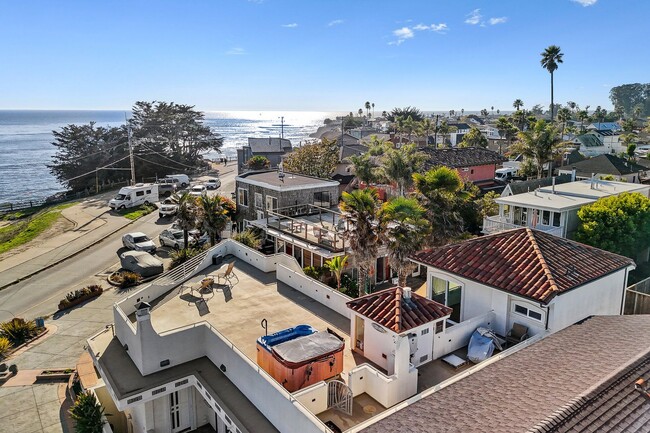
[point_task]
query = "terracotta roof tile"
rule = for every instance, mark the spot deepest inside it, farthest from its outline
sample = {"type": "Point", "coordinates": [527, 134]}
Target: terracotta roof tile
{"type": "Point", "coordinates": [530, 263]}
{"type": "Point", "coordinates": [389, 309]}
{"type": "Point", "coordinates": [459, 157]}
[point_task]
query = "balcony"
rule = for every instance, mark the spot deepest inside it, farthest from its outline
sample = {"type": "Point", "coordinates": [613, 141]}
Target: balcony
{"type": "Point", "coordinates": [496, 224]}
{"type": "Point", "coordinates": [317, 225]}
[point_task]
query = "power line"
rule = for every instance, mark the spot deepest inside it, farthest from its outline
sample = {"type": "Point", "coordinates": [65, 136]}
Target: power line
{"type": "Point", "coordinates": [169, 159]}
{"type": "Point", "coordinates": [93, 154]}
{"type": "Point", "coordinates": [91, 172]}
{"type": "Point", "coordinates": [155, 163]}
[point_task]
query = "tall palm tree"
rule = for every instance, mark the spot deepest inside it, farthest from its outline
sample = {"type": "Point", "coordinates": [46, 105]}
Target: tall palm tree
{"type": "Point", "coordinates": [564, 115]}
{"type": "Point", "coordinates": [492, 110]}
{"type": "Point", "coordinates": [406, 231]}
{"type": "Point", "coordinates": [212, 216]}
{"type": "Point", "coordinates": [364, 232]}
{"type": "Point", "coordinates": [367, 108]}
{"type": "Point", "coordinates": [186, 215]}
{"type": "Point", "coordinates": [518, 104]}
{"type": "Point", "coordinates": [336, 265]}
{"type": "Point", "coordinates": [462, 111]}
{"type": "Point", "coordinates": [398, 165]}
{"type": "Point", "coordinates": [360, 112]}
{"type": "Point", "coordinates": [425, 127]}
{"type": "Point", "coordinates": [538, 143]}
{"type": "Point", "coordinates": [373, 109]}
{"type": "Point", "coordinates": [551, 58]}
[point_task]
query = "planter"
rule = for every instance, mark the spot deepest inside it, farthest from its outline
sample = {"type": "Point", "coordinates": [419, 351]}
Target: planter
{"type": "Point", "coordinates": [80, 299]}
{"type": "Point", "coordinates": [55, 374]}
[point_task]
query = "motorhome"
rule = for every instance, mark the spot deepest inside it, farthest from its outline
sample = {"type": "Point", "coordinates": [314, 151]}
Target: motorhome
{"type": "Point", "coordinates": [505, 173]}
{"type": "Point", "coordinates": [130, 196]}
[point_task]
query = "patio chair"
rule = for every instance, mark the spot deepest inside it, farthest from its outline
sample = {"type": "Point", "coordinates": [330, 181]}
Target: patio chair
{"type": "Point", "coordinates": [228, 275]}
{"type": "Point", "coordinates": [517, 334]}
{"type": "Point", "coordinates": [315, 231]}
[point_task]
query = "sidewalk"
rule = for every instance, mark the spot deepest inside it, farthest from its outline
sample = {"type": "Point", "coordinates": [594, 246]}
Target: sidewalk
{"type": "Point", "coordinates": [92, 223]}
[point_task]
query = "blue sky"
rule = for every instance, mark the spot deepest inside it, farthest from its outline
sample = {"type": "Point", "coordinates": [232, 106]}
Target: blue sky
{"type": "Point", "coordinates": [316, 55]}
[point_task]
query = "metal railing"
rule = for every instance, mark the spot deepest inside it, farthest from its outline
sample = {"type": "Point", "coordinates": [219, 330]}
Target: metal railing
{"type": "Point", "coordinates": [496, 224]}
{"type": "Point", "coordinates": [292, 221]}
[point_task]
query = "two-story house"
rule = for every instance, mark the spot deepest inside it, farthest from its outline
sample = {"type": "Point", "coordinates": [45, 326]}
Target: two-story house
{"type": "Point", "coordinates": [474, 164]}
{"type": "Point", "coordinates": [272, 149]}
{"type": "Point", "coordinates": [554, 208]}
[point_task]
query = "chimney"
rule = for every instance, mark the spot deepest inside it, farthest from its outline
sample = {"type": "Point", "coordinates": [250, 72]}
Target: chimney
{"type": "Point", "coordinates": [573, 174]}
{"type": "Point", "coordinates": [553, 184]}
{"type": "Point", "coordinates": [142, 311]}
{"type": "Point", "coordinates": [643, 389]}
{"type": "Point", "coordinates": [406, 292]}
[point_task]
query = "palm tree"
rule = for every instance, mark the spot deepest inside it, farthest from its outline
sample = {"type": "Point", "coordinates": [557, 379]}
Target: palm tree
{"type": "Point", "coordinates": [484, 113]}
{"type": "Point", "coordinates": [551, 57]}
{"type": "Point", "coordinates": [336, 266]}
{"type": "Point", "coordinates": [360, 112]}
{"type": "Point", "coordinates": [506, 130]}
{"type": "Point", "coordinates": [538, 143]}
{"type": "Point", "coordinates": [398, 165]}
{"type": "Point", "coordinates": [367, 105]}
{"type": "Point", "coordinates": [425, 127]}
{"type": "Point", "coordinates": [462, 111]}
{"type": "Point", "coordinates": [563, 115]}
{"type": "Point", "coordinates": [583, 115]}
{"type": "Point", "coordinates": [439, 192]}
{"type": "Point", "coordinates": [406, 231]}
{"type": "Point", "coordinates": [518, 104]}
{"type": "Point", "coordinates": [363, 234]}
{"type": "Point", "coordinates": [492, 110]}
{"type": "Point", "coordinates": [186, 215]}
{"type": "Point", "coordinates": [212, 216]}
{"type": "Point", "coordinates": [373, 109]}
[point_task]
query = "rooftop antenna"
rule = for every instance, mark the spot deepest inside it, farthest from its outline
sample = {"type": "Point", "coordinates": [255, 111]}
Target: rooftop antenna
{"type": "Point", "coordinates": [281, 126]}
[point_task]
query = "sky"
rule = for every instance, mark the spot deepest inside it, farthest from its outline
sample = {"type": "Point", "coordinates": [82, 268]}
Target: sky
{"type": "Point", "coordinates": [317, 55]}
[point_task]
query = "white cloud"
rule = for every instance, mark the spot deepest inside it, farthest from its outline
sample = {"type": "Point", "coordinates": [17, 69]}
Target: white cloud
{"type": "Point", "coordinates": [586, 3]}
{"type": "Point", "coordinates": [402, 34]}
{"type": "Point", "coordinates": [440, 28]}
{"type": "Point", "coordinates": [407, 33]}
{"type": "Point", "coordinates": [474, 17]}
{"type": "Point", "coordinates": [290, 25]}
{"type": "Point", "coordinates": [236, 51]}
{"type": "Point", "coordinates": [334, 23]}
{"type": "Point", "coordinates": [500, 20]}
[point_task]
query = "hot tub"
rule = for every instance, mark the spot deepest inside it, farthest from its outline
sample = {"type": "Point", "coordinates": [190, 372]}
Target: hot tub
{"type": "Point", "coordinates": [301, 356]}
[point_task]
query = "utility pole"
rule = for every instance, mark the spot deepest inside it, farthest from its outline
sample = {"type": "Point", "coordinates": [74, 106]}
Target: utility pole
{"type": "Point", "coordinates": [435, 134]}
{"type": "Point", "coordinates": [131, 156]}
{"type": "Point", "coordinates": [282, 127]}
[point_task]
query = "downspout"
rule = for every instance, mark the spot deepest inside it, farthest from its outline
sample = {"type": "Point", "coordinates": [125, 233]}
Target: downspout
{"type": "Point", "coordinates": [547, 311]}
{"type": "Point", "coordinates": [624, 291]}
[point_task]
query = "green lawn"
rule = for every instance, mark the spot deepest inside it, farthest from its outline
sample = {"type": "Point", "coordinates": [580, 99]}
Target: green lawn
{"type": "Point", "coordinates": [21, 232]}
{"type": "Point", "coordinates": [137, 212]}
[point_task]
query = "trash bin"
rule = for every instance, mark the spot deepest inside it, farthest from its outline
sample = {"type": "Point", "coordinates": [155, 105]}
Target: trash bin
{"type": "Point", "coordinates": [217, 259]}
{"type": "Point", "coordinates": [40, 322]}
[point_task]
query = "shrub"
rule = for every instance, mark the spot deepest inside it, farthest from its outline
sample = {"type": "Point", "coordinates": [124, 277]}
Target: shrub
{"type": "Point", "coordinates": [258, 162]}
{"type": "Point", "coordinates": [87, 414]}
{"type": "Point", "coordinates": [18, 331]}
{"type": "Point", "coordinates": [73, 296]}
{"type": "Point", "coordinates": [349, 286]}
{"type": "Point", "coordinates": [315, 272]}
{"type": "Point", "coordinates": [5, 346]}
{"type": "Point", "coordinates": [181, 256]}
{"type": "Point", "coordinates": [248, 238]}
{"type": "Point", "coordinates": [127, 279]}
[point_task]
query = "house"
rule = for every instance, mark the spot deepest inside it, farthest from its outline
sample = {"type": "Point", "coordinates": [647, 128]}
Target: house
{"type": "Point", "coordinates": [582, 378]}
{"type": "Point", "coordinates": [271, 148]}
{"type": "Point", "coordinates": [525, 276]}
{"type": "Point", "coordinates": [458, 131]}
{"type": "Point", "coordinates": [473, 163]}
{"type": "Point", "coordinates": [599, 142]}
{"type": "Point", "coordinates": [554, 209]}
{"type": "Point", "coordinates": [604, 126]}
{"type": "Point", "coordinates": [606, 165]}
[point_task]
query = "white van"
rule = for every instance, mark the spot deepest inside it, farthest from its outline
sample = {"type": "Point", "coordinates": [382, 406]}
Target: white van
{"type": "Point", "coordinates": [183, 179]}
{"type": "Point", "coordinates": [131, 196]}
{"type": "Point", "coordinates": [505, 173]}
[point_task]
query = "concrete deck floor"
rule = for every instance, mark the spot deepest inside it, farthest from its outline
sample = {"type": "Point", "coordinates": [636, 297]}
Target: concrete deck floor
{"type": "Point", "coordinates": [237, 312]}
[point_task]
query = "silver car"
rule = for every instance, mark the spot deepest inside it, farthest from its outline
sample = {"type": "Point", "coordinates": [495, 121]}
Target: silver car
{"type": "Point", "coordinates": [138, 242]}
{"type": "Point", "coordinates": [167, 210]}
{"type": "Point", "coordinates": [172, 238]}
{"type": "Point", "coordinates": [213, 184]}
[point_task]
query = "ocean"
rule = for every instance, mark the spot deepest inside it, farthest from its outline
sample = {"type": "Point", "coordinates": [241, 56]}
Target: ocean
{"type": "Point", "coordinates": [26, 140]}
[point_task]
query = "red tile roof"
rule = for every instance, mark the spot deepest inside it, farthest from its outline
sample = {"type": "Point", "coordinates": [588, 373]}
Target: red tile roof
{"type": "Point", "coordinates": [529, 263]}
{"type": "Point", "coordinates": [389, 309]}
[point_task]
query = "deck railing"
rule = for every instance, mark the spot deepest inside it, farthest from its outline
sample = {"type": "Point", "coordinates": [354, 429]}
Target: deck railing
{"type": "Point", "coordinates": [496, 224]}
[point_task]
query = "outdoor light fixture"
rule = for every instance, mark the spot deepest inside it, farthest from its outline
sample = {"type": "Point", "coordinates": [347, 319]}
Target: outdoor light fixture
{"type": "Point", "coordinates": [379, 328]}
{"type": "Point", "coordinates": [164, 363]}
{"type": "Point", "coordinates": [222, 368]}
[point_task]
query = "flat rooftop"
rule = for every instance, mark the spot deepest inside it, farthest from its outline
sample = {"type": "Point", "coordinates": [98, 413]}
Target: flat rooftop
{"type": "Point", "coordinates": [290, 181]}
{"type": "Point", "coordinates": [237, 313]}
{"type": "Point", "coordinates": [604, 188]}
{"type": "Point", "coordinates": [545, 200]}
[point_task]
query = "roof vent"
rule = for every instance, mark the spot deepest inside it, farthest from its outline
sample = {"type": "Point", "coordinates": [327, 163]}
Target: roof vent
{"type": "Point", "coordinates": [406, 292]}
{"type": "Point", "coordinates": [641, 386]}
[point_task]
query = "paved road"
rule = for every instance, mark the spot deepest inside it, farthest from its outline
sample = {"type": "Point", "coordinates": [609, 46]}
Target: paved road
{"type": "Point", "coordinates": [40, 294]}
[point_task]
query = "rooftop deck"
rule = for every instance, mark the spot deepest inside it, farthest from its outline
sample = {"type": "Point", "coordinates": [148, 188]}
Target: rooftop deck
{"type": "Point", "coordinates": [237, 313]}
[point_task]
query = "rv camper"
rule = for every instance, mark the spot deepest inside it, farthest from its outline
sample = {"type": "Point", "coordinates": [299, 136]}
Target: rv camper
{"type": "Point", "coordinates": [130, 196]}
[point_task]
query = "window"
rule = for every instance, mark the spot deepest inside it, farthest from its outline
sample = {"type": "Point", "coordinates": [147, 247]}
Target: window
{"type": "Point", "coordinates": [546, 218]}
{"type": "Point", "coordinates": [139, 193]}
{"type": "Point", "coordinates": [322, 198]}
{"type": "Point", "coordinates": [148, 191]}
{"type": "Point", "coordinates": [448, 293]}
{"type": "Point", "coordinates": [271, 203]}
{"type": "Point", "coordinates": [556, 219]}
{"type": "Point", "coordinates": [425, 331]}
{"type": "Point", "coordinates": [439, 326]}
{"type": "Point", "coordinates": [527, 311]}
{"type": "Point", "coordinates": [242, 197]}
{"type": "Point", "coordinates": [258, 201]}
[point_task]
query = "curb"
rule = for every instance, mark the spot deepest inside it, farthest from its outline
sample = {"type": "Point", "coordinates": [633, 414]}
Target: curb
{"type": "Point", "coordinates": [63, 259]}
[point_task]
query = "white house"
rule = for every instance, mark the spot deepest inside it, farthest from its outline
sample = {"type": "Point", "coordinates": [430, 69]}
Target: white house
{"type": "Point", "coordinates": [527, 277]}
{"type": "Point", "coordinates": [554, 208]}
{"type": "Point", "coordinates": [599, 142]}
{"type": "Point", "coordinates": [606, 165]}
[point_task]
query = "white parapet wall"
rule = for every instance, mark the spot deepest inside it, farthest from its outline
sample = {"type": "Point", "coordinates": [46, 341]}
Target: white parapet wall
{"type": "Point", "coordinates": [387, 390]}
{"type": "Point", "coordinates": [458, 335]}
{"type": "Point", "coordinates": [314, 397]}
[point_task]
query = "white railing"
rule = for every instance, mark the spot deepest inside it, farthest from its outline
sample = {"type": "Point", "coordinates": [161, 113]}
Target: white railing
{"type": "Point", "coordinates": [496, 224]}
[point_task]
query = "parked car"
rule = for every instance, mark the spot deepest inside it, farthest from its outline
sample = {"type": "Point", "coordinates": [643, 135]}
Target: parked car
{"type": "Point", "coordinates": [198, 190]}
{"type": "Point", "coordinates": [167, 210]}
{"type": "Point", "coordinates": [182, 179]}
{"type": "Point", "coordinates": [141, 263]}
{"type": "Point", "coordinates": [139, 242]}
{"type": "Point", "coordinates": [213, 183]}
{"type": "Point", "coordinates": [167, 187]}
{"type": "Point", "coordinates": [171, 238]}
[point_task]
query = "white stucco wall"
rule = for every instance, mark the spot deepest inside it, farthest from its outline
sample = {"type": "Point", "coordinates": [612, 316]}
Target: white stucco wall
{"type": "Point", "coordinates": [601, 297]}
{"type": "Point", "coordinates": [376, 344]}
{"type": "Point", "coordinates": [314, 397]}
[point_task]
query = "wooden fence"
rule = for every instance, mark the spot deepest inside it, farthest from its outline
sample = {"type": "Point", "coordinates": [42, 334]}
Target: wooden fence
{"type": "Point", "coordinates": [637, 298]}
